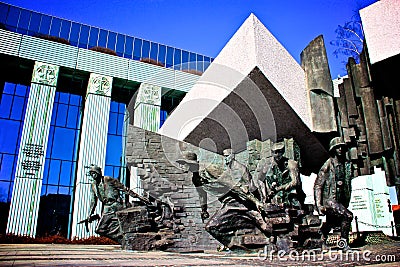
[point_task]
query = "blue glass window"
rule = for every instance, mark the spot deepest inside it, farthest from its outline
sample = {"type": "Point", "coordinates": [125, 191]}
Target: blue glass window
{"type": "Point", "coordinates": [146, 49]}
{"type": "Point", "coordinates": [4, 191]}
{"type": "Point", "coordinates": [62, 115]}
{"type": "Point", "coordinates": [63, 98]}
{"type": "Point", "coordinates": [114, 150]}
{"type": "Point", "coordinates": [66, 173]}
{"type": "Point", "coordinates": [34, 23]}
{"type": "Point", "coordinates": [65, 29]}
{"type": "Point", "coordinates": [93, 36]}
{"type": "Point", "coordinates": [5, 107]}
{"type": "Point", "coordinates": [45, 24]}
{"type": "Point", "coordinates": [163, 117]}
{"type": "Point", "coordinates": [200, 64]}
{"type": "Point", "coordinates": [114, 107]}
{"type": "Point", "coordinates": [75, 100]}
{"type": "Point", "coordinates": [112, 123]}
{"type": "Point", "coordinates": [7, 166]}
{"type": "Point", "coordinates": [24, 18]}
{"type": "Point", "coordinates": [17, 108]}
{"type": "Point", "coordinates": [74, 35]}
{"type": "Point", "coordinates": [64, 190]}
{"type": "Point", "coordinates": [170, 57]}
{"type": "Point", "coordinates": [63, 143]}
{"type": "Point", "coordinates": [192, 61]}
{"type": "Point", "coordinates": [153, 50]}
{"type": "Point", "coordinates": [3, 13]}
{"type": "Point", "coordinates": [177, 59]}
{"type": "Point", "coordinates": [161, 53]}
{"type": "Point", "coordinates": [120, 44]}
{"type": "Point", "coordinates": [112, 39]}
{"type": "Point", "coordinates": [54, 172]}
{"type": "Point", "coordinates": [137, 50]}
{"type": "Point", "coordinates": [13, 16]}
{"type": "Point", "coordinates": [84, 36]}
{"type": "Point", "coordinates": [9, 138]}
{"type": "Point", "coordinates": [9, 88]}
{"type": "Point", "coordinates": [185, 60]}
{"type": "Point", "coordinates": [128, 47]}
{"type": "Point", "coordinates": [21, 90]}
{"type": "Point", "coordinates": [73, 117]}
{"type": "Point", "coordinates": [102, 38]}
{"type": "Point", "coordinates": [55, 27]}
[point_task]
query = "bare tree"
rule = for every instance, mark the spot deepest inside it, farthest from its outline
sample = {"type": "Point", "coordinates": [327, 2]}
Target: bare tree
{"type": "Point", "coordinates": [349, 39]}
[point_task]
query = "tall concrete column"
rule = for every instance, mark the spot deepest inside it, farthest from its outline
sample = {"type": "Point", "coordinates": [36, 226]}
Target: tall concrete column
{"type": "Point", "coordinates": [147, 107]}
{"type": "Point", "coordinates": [92, 148]}
{"type": "Point", "coordinates": [23, 215]}
{"type": "Point", "coordinates": [319, 86]}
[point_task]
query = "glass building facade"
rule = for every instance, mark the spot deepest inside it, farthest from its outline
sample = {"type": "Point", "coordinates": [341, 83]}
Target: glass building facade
{"type": "Point", "coordinates": [84, 36]}
{"type": "Point", "coordinates": [60, 169]}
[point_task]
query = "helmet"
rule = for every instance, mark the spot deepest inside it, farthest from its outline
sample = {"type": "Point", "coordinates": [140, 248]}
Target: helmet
{"type": "Point", "coordinates": [227, 152]}
{"type": "Point", "coordinates": [95, 168]}
{"type": "Point", "coordinates": [278, 146]}
{"type": "Point", "coordinates": [336, 141]}
{"type": "Point", "coordinates": [189, 158]}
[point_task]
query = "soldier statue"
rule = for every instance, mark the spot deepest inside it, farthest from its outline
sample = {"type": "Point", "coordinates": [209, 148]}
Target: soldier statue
{"type": "Point", "coordinates": [108, 190]}
{"type": "Point", "coordinates": [332, 191]}
{"type": "Point", "coordinates": [282, 179]}
{"type": "Point", "coordinates": [240, 209]}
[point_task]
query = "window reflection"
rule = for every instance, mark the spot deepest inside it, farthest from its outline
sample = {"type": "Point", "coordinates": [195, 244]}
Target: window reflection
{"type": "Point", "coordinates": [112, 39]}
{"type": "Point", "coordinates": [137, 50]}
{"type": "Point", "coordinates": [120, 44]}
{"type": "Point", "coordinates": [170, 57]}
{"type": "Point", "coordinates": [13, 16]}
{"type": "Point", "coordinates": [93, 36]}
{"type": "Point", "coordinates": [45, 24]}
{"type": "Point", "coordinates": [185, 59]}
{"type": "Point", "coordinates": [153, 50]}
{"type": "Point", "coordinates": [74, 34]}
{"type": "Point", "coordinates": [84, 36]}
{"type": "Point", "coordinates": [146, 49]}
{"type": "Point", "coordinates": [24, 18]}
{"type": "Point", "coordinates": [65, 29]}
{"type": "Point", "coordinates": [102, 38]}
{"type": "Point", "coordinates": [177, 59]}
{"type": "Point", "coordinates": [128, 53]}
{"type": "Point", "coordinates": [55, 27]}
{"type": "Point", "coordinates": [34, 23]}
{"type": "Point", "coordinates": [161, 54]}
{"type": "Point", "coordinates": [3, 13]}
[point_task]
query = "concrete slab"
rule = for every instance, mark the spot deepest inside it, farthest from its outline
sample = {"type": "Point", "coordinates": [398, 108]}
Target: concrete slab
{"type": "Point", "coordinates": [381, 25]}
{"type": "Point", "coordinates": [254, 89]}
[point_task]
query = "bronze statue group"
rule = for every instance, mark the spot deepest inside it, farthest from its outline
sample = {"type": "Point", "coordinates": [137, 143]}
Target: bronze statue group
{"type": "Point", "coordinates": [249, 203]}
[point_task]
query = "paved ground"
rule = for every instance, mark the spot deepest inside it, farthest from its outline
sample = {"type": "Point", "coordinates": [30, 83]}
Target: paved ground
{"type": "Point", "coordinates": [385, 255]}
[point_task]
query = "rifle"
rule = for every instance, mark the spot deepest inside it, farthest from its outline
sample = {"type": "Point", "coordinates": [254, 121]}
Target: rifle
{"type": "Point", "coordinates": [143, 199]}
{"type": "Point", "coordinates": [89, 220]}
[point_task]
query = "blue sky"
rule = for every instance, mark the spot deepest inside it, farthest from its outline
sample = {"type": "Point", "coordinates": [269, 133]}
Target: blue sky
{"type": "Point", "coordinates": [205, 26]}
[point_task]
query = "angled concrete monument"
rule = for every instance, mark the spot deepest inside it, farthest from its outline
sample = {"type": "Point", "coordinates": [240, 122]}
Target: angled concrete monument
{"type": "Point", "coordinates": [254, 89]}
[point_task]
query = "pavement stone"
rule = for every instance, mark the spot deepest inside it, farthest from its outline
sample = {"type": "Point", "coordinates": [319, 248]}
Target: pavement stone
{"type": "Point", "coordinates": [383, 255]}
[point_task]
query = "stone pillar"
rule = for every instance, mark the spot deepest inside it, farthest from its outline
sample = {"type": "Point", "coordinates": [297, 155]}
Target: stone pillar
{"type": "Point", "coordinates": [22, 219]}
{"type": "Point", "coordinates": [319, 85]}
{"type": "Point", "coordinates": [92, 149]}
{"type": "Point", "coordinates": [370, 109]}
{"type": "Point", "coordinates": [147, 107]}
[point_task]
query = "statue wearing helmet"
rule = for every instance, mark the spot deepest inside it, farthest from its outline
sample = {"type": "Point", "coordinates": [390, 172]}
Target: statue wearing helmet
{"type": "Point", "coordinates": [332, 191]}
